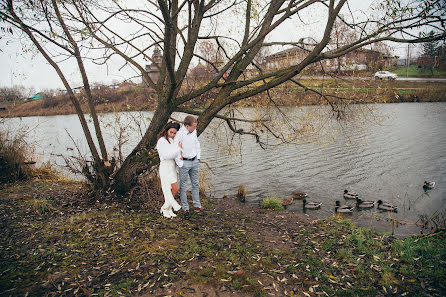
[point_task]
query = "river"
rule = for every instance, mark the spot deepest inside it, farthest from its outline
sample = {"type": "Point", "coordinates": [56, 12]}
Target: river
{"type": "Point", "coordinates": [387, 161]}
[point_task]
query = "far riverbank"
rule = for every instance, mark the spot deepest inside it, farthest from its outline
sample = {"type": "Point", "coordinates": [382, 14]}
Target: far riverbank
{"type": "Point", "coordinates": [138, 98]}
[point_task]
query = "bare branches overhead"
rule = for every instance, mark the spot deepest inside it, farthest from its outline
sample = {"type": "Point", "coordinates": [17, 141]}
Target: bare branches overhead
{"type": "Point", "coordinates": [224, 37]}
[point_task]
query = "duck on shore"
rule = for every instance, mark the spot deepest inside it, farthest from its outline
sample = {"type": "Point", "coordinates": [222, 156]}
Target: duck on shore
{"type": "Point", "coordinates": [428, 185]}
{"type": "Point", "coordinates": [343, 208]}
{"type": "Point", "coordinates": [311, 205]}
{"type": "Point", "coordinates": [350, 195]}
{"type": "Point", "coordinates": [364, 204]}
{"type": "Point", "coordinates": [386, 206]}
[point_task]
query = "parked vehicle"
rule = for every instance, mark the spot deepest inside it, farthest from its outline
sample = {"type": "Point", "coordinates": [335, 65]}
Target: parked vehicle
{"type": "Point", "coordinates": [385, 75]}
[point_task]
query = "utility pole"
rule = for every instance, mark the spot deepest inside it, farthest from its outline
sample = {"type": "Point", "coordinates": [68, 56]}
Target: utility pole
{"type": "Point", "coordinates": [408, 60]}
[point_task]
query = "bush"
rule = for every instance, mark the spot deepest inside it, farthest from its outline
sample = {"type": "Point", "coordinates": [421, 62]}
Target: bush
{"type": "Point", "coordinates": [13, 150]}
{"type": "Point", "coordinates": [272, 203]}
{"type": "Point", "coordinates": [241, 193]}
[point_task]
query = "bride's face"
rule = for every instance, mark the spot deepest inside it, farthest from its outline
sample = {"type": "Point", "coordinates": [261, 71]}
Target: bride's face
{"type": "Point", "coordinates": [171, 132]}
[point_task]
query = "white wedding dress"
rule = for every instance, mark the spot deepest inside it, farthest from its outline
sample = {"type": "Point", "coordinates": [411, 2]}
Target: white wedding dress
{"type": "Point", "coordinates": [168, 152]}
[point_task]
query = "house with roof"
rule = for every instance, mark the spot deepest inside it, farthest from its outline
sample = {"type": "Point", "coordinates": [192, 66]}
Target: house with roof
{"type": "Point", "coordinates": [439, 60]}
{"type": "Point", "coordinates": [37, 96]}
{"type": "Point", "coordinates": [357, 60]}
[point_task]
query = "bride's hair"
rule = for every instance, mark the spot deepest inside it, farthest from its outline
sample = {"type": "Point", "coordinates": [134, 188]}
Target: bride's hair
{"type": "Point", "coordinates": [166, 128]}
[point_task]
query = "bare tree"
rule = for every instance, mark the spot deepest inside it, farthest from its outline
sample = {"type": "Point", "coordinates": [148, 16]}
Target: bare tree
{"type": "Point", "coordinates": [60, 35]}
{"type": "Point", "coordinates": [238, 30]}
{"type": "Point", "coordinates": [341, 35]}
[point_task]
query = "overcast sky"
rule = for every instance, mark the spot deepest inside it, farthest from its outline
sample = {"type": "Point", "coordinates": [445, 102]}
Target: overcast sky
{"type": "Point", "coordinates": [30, 69]}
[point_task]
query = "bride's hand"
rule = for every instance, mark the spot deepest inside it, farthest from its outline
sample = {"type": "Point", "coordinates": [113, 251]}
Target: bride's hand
{"type": "Point", "coordinates": [181, 157]}
{"type": "Point", "coordinates": [180, 144]}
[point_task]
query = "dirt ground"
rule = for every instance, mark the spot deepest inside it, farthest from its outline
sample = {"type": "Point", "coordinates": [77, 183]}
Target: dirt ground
{"type": "Point", "coordinates": [59, 240]}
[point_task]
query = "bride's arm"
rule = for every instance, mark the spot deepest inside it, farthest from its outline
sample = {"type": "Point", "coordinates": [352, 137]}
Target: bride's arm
{"type": "Point", "coordinates": [166, 150]}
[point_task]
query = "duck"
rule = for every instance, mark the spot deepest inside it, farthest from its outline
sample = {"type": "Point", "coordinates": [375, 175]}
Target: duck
{"type": "Point", "coordinates": [343, 208]}
{"type": "Point", "coordinates": [287, 201]}
{"type": "Point", "coordinates": [299, 195]}
{"type": "Point", "coordinates": [311, 205]}
{"type": "Point", "coordinates": [428, 185]}
{"type": "Point", "coordinates": [364, 204]}
{"type": "Point", "coordinates": [350, 195]}
{"type": "Point", "coordinates": [386, 206]}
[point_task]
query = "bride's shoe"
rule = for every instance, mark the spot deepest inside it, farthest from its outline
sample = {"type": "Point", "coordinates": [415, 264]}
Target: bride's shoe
{"type": "Point", "coordinates": [165, 213]}
{"type": "Point", "coordinates": [171, 213]}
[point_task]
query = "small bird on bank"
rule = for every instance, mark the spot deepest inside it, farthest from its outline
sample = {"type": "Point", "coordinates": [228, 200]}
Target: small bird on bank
{"type": "Point", "coordinates": [428, 185]}
{"type": "Point", "coordinates": [386, 206]}
{"type": "Point", "coordinates": [350, 195]}
{"type": "Point", "coordinates": [343, 208]}
{"type": "Point", "coordinates": [364, 204]}
{"type": "Point", "coordinates": [311, 205]}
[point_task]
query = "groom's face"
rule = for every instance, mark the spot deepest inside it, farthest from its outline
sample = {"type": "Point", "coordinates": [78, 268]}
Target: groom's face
{"type": "Point", "coordinates": [191, 128]}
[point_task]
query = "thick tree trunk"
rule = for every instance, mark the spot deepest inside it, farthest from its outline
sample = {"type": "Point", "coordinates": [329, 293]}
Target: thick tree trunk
{"type": "Point", "coordinates": [144, 156]}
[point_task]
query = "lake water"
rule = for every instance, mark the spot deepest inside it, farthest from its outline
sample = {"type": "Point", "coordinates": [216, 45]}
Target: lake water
{"type": "Point", "coordinates": [387, 161]}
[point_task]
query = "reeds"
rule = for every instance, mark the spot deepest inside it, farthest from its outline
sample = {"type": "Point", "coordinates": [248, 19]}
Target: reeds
{"type": "Point", "coordinates": [13, 152]}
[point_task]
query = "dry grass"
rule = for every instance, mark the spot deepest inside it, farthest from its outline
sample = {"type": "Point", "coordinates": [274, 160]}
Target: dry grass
{"type": "Point", "coordinates": [288, 94]}
{"type": "Point", "coordinates": [13, 153]}
{"type": "Point", "coordinates": [241, 193]}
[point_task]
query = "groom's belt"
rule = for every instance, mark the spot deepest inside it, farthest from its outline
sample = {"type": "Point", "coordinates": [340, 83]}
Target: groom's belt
{"type": "Point", "coordinates": [189, 159]}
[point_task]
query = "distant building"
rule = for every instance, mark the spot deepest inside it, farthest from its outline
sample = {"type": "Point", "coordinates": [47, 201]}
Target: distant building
{"type": "Point", "coordinates": [439, 60]}
{"type": "Point", "coordinates": [425, 61]}
{"type": "Point", "coordinates": [358, 60]}
{"type": "Point", "coordinates": [201, 72]}
{"type": "Point", "coordinates": [36, 97]}
{"type": "Point", "coordinates": [401, 62]}
{"type": "Point", "coordinates": [126, 85]}
{"type": "Point", "coordinates": [153, 69]}
{"type": "Point", "coordinates": [3, 107]}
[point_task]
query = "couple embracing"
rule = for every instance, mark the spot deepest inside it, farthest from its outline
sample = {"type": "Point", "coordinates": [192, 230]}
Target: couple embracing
{"type": "Point", "coordinates": [179, 147]}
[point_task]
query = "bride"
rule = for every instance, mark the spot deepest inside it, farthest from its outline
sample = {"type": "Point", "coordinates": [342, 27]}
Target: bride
{"type": "Point", "coordinates": [170, 155]}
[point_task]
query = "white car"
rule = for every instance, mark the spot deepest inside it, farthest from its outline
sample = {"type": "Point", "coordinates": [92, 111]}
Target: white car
{"type": "Point", "coordinates": [385, 75]}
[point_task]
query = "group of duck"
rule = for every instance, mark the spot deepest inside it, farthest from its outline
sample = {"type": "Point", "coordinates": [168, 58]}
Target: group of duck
{"type": "Point", "coordinates": [385, 206]}
{"type": "Point", "coordinates": [348, 208]}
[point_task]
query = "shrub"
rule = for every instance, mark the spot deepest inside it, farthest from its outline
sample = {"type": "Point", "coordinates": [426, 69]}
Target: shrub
{"type": "Point", "coordinates": [272, 203]}
{"type": "Point", "coordinates": [241, 193]}
{"type": "Point", "coordinates": [42, 206]}
{"type": "Point", "coordinates": [13, 150]}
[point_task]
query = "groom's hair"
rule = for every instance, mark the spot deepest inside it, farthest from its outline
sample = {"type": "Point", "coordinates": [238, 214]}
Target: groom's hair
{"type": "Point", "coordinates": [189, 120]}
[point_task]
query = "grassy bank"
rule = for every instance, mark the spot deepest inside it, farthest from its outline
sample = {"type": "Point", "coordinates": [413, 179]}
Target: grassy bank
{"type": "Point", "coordinates": [57, 240]}
{"type": "Point", "coordinates": [288, 94]}
{"type": "Point", "coordinates": [415, 71]}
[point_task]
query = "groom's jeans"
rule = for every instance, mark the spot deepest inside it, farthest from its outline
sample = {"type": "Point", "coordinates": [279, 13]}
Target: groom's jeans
{"type": "Point", "coordinates": [189, 169]}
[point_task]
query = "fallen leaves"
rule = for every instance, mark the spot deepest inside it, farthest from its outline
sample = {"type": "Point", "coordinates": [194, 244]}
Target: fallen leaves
{"type": "Point", "coordinates": [107, 250]}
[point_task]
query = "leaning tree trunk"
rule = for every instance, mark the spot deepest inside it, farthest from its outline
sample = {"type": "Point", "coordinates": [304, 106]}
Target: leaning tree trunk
{"type": "Point", "coordinates": [144, 155]}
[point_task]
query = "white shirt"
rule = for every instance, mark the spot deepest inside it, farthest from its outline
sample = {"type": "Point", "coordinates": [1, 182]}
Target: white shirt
{"type": "Point", "coordinates": [190, 143]}
{"type": "Point", "coordinates": [169, 151]}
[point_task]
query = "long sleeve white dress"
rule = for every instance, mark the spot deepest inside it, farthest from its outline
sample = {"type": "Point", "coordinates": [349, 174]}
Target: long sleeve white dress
{"type": "Point", "coordinates": [169, 153]}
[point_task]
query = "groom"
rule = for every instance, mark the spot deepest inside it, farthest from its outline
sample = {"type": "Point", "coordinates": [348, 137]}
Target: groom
{"type": "Point", "coordinates": [187, 135]}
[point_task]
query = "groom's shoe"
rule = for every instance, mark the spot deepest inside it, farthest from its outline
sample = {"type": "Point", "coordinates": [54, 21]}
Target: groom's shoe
{"type": "Point", "coordinates": [186, 215]}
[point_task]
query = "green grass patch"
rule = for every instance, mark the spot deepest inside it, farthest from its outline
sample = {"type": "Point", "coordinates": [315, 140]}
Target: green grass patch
{"type": "Point", "coordinates": [414, 71]}
{"type": "Point", "coordinates": [273, 203]}
{"type": "Point", "coordinates": [422, 257]}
